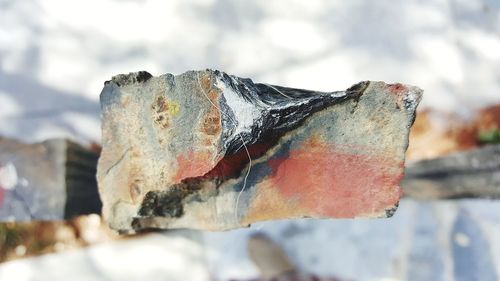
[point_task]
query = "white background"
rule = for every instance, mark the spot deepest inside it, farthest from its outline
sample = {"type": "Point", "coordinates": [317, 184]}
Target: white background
{"type": "Point", "coordinates": [55, 56]}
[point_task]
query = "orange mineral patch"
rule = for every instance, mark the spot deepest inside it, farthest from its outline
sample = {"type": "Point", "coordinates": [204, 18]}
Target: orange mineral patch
{"type": "Point", "coordinates": [331, 182]}
{"type": "Point", "coordinates": [234, 164]}
{"type": "Point", "coordinates": [211, 126]}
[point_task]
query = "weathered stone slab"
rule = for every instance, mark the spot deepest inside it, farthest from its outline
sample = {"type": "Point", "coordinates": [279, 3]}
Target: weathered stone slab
{"type": "Point", "coordinates": [176, 151]}
{"type": "Point", "coordinates": [51, 180]}
{"type": "Point", "coordinates": [470, 174]}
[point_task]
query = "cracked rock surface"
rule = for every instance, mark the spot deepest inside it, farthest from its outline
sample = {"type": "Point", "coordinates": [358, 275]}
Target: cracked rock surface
{"type": "Point", "coordinates": [207, 150]}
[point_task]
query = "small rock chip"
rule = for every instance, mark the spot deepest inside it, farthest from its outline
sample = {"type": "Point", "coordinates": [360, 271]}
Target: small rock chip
{"type": "Point", "coordinates": [207, 150]}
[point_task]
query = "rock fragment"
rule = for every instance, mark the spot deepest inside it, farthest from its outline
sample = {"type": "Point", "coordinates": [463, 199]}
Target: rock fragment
{"type": "Point", "coordinates": [51, 180]}
{"type": "Point", "coordinates": [208, 150]}
{"type": "Point", "coordinates": [469, 174]}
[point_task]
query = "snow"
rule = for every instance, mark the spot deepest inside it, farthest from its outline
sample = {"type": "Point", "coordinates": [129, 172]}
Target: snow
{"type": "Point", "coordinates": [152, 257]}
{"type": "Point", "coordinates": [8, 176]}
{"type": "Point", "coordinates": [56, 54]}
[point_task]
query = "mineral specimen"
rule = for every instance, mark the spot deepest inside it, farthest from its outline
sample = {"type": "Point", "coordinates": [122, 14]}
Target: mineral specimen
{"type": "Point", "coordinates": [208, 150]}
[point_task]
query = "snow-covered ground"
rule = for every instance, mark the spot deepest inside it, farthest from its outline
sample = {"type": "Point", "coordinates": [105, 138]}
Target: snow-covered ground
{"type": "Point", "coordinates": [423, 241]}
{"type": "Point", "coordinates": [55, 56]}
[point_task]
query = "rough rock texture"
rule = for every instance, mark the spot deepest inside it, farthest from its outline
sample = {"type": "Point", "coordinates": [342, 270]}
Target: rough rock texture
{"type": "Point", "coordinates": [176, 151]}
{"type": "Point", "coordinates": [52, 180]}
{"type": "Point", "coordinates": [470, 174]}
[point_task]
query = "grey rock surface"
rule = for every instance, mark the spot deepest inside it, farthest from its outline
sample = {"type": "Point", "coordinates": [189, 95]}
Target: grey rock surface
{"type": "Point", "coordinates": [51, 180]}
{"type": "Point", "coordinates": [469, 174]}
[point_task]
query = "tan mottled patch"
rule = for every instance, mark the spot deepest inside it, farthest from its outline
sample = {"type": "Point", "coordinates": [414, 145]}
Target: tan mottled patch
{"type": "Point", "coordinates": [269, 204]}
{"type": "Point", "coordinates": [211, 124]}
{"type": "Point", "coordinates": [135, 183]}
{"type": "Point", "coordinates": [163, 111]}
{"type": "Point", "coordinates": [135, 190]}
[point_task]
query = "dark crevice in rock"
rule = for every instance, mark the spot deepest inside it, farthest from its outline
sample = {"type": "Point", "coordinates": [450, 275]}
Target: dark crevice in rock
{"type": "Point", "coordinates": [278, 122]}
{"type": "Point", "coordinates": [168, 203]}
{"type": "Point", "coordinates": [281, 109]}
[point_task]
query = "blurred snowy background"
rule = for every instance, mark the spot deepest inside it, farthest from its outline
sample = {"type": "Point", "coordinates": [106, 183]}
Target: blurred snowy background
{"type": "Point", "coordinates": [55, 56]}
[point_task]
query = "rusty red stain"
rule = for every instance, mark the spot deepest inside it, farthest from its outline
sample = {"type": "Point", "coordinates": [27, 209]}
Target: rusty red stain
{"type": "Point", "coordinates": [198, 164]}
{"type": "Point", "coordinates": [232, 165]}
{"type": "Point", "coordinates": [333, 183]}
{"type": "Point", "coordinates": [192, 164]}
{"type": "Point", "coordinates": [396, 88]}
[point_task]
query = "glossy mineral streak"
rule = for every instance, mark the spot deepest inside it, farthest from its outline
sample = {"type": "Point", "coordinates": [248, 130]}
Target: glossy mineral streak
{"type": "Point", "coordinates": [262, 113]}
